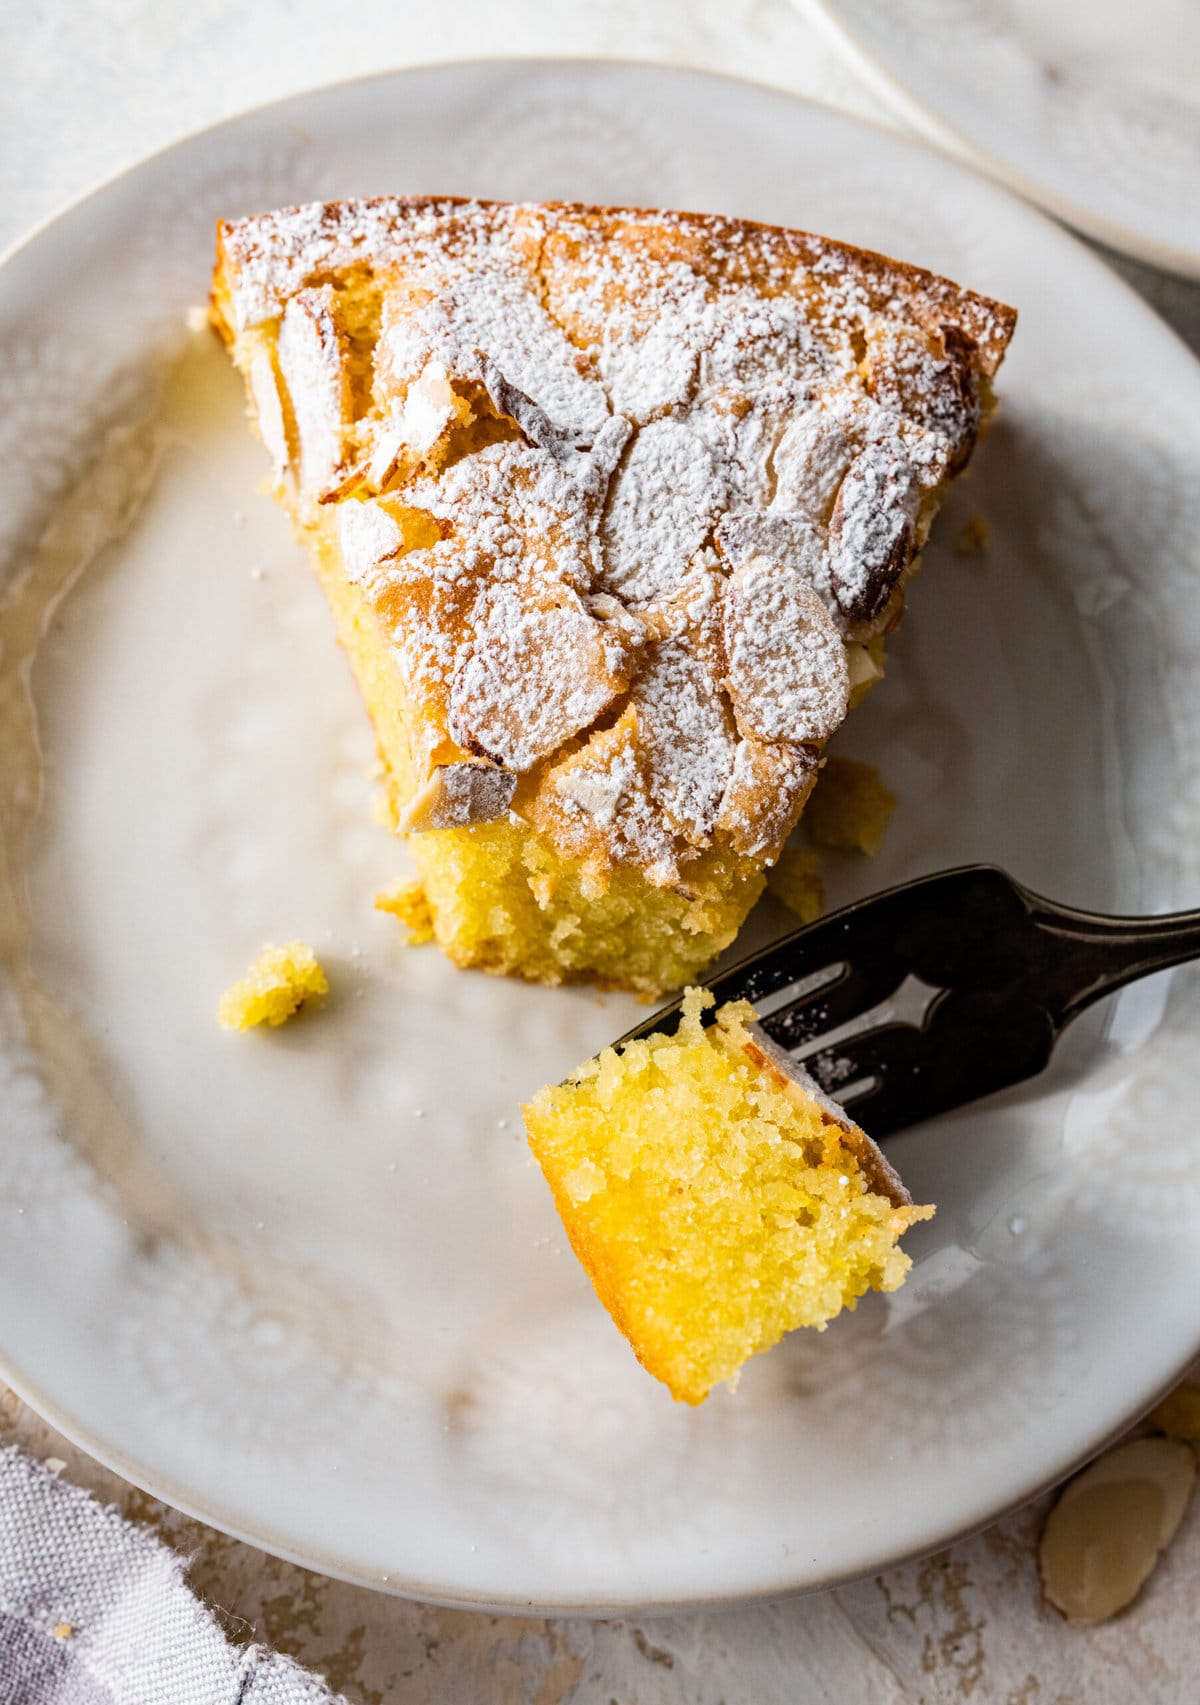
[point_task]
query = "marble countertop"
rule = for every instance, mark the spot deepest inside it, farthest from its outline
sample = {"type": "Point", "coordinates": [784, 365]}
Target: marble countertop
{"type": "Point", "coordinates": [94, 84]}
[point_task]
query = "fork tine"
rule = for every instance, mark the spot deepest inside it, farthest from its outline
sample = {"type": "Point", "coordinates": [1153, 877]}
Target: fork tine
{"type": "Point", "coordinates": [892, 1056]}
{"type": "Point", "coordinates": [1012, 969]}
{"type": "Point", "coordinates": [890, 928]}
{"type": "Point", "coordinates": [952, 1059]}
{"type": "Point", "coordinates": [825, 1009]}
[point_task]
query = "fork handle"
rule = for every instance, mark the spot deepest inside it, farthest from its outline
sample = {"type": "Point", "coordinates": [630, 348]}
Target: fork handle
{"type": "Point", "coordinates": [1092, 955]}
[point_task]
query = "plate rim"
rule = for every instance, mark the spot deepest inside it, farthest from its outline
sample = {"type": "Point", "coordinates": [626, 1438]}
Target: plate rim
{"type": "Point", "coordinates": [889, 86]}
{"type": "Point", "coordinates": [592, 1609]}
{"type": "Point", "coordinates": [261, 1536]}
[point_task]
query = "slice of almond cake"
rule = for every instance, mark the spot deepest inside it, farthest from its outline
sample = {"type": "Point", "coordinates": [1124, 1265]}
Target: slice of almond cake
{"type": "Point", "coordinates": [613, 509]}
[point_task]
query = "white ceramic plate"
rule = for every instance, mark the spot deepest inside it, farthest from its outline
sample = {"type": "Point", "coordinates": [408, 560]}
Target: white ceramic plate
{"type": "Point", "coordinates": [308, 1284]}
{"type": "Point", "coordinates": [1091, 109]}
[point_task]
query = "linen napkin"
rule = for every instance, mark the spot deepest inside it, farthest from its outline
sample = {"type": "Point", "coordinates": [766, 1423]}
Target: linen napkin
{"type": "Point", "coordinates": [95, 1611]}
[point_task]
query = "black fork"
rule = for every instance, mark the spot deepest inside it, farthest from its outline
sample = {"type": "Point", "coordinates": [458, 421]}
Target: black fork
{"type": "Point", "coordinates": [937, 992]}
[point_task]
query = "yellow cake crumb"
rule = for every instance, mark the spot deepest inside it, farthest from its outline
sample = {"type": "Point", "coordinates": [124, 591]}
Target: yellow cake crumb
{"type": "Point", "coordinates": [383, 810]}
{"type": "Point", "coordinates": [715, 1202]}
{"type": "Point", "coordinates": [276, 985]}
{"type": "Point", "coordinates": [795, 880]}
{"type": "Point", "coordinates": [850, 807]}
{"type": "Point", "coordinates": [975, 537]}
{"type": "Point", "coordinates": [409, 902]}
{"type": "Point", "coordinates": [62, 1631]}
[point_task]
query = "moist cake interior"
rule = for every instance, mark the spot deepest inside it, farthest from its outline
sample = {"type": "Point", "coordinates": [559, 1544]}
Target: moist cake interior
{"type": "Point", "coordinates": [715, 1197]}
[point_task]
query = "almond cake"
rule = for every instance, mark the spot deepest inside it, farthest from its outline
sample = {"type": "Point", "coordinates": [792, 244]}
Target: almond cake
{"type": "Point", "coordinates": [613, 509]}
{"type": "Point", "coordinates": [715, 1196]}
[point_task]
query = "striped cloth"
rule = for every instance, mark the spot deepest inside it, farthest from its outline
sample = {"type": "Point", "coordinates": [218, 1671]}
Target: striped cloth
{"type": "Point", "coordinates": [94, 1611]}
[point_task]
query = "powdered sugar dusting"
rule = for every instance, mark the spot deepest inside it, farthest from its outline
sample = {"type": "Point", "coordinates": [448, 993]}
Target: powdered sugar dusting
{"type": "Point", "coordinates": [811, 461]}
{"type": "Point", "coordinates": [312, 366]}
{"type": "Point", "coordinates": [871, 529]}
{"type": "Point", "coordinates": [785, 661]}
{"type": "Point", "coordinates": [367, 534]}
{"type": "Point", "coordinates": [663, 504]}
{"type": "Point", "coordinates": [667, 467]}
{"type": "Point", "coordinates": [510, 695]}
{"type": "Point", "coordinates": [687, 735]}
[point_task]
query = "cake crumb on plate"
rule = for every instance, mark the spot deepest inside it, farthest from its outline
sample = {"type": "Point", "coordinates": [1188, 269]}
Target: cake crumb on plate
{"type": "Point", "coordinates": [850, 807]}
{"type": "Point", "coordinates": [795, 881]}
{"type": "Point", "coordinates": [275, 986]}
{"type": "Point", "coordinates": [409, 902]}
{"type": "Point", "coordinates": [975, 537]}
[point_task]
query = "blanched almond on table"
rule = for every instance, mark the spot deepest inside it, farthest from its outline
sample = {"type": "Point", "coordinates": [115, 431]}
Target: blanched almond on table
{"type": "Point", "coordinates": [785, 663]}
{"type": "Point", "coordinates": [1111, 1524]}
{"type": "Point", "coordinates": [1178, 1415]}
{"type": "Point", "coordinates": [313, 364]}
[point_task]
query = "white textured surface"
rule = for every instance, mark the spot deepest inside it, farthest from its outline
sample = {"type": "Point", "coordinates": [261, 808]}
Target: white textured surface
{"type": "Point", "coordinates": [966, 1624]}
{"type": "Point", "coordinates": [1092, 110]}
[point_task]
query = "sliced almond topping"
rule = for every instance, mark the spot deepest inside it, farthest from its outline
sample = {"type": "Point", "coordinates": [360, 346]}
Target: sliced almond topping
{"type": "Point", "coordinates": [596, 803]}
{"type": "Point", "coordinates": [268, 410]}
{"type": "Point", "coordinates": [929, 379]}
{"type": "Point", "coordinates": [539, 669]}
{"type": "Point", "coordinates": [602, 778]}
{"type": "Point", "coordinates": [811, 461]}
{"type": "Point", "coordinates": [663, 501]}
{"type": "Point", "coordinates": [536, 425]}
{"type": "Point", "coordinates": [418, 426]}
{"type": "Point", "coordinates": [686, 738]}
{"type": "Point", "coordinates": [872, 532]}
{"type": "Point", "coordinates": [652, 370]}
{"type": "Point", "coordinates": [312, 361]}
{"type": "Point", "coordinates": [405, 342]}
{"type": "Point", "coordinates": [367, 535]}
{"type": "Point", "coordinates": [371, 532]}
{"type": "Point", "coordinates": [1111, 1524]}
{"type": "Point", "coordinates": [785, 664]}
{"type": "Point", "coordinates": [765, 794]}
{"type": "Point", "coordinates": [347, 481]}
{"type": "Point", "coordinates": [791, 540]}
{"type": "Point", "coordinates": [589, 454]}
{"type": "Point", "coordinates": [457, 794]}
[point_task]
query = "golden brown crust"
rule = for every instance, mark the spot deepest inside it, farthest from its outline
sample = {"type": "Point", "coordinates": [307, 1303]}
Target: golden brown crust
{"type": "Point", "coordinates": [933, 300]}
